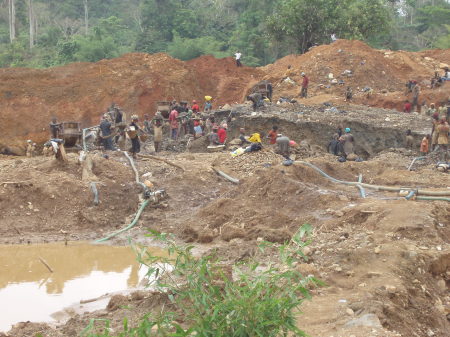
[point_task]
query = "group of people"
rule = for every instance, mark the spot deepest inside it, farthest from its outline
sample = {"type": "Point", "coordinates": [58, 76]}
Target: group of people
{"type": "Point", "coordinates": [342, 144]}
{"type": "Point", "coordinates": [281, 143]}
{"type": "Point", "coordinates": [182, 118]}
{"type": "Point", "coordinates": [440, 134]}
{"type": "Point", "coordinates": [413, 88]}
{"type": "Point", "coordinates": [51, 147]}
{"type": "Point", "coordinates": [439, 137]}
{"type": "Point", "coordinates": [438, 80]}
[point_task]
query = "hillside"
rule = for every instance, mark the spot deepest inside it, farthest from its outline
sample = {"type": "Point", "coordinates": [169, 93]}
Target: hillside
{"type": "Point", "coordinates": [82, 91]}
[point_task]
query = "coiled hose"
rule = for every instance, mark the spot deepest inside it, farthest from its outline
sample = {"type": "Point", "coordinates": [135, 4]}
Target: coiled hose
{"type": "Point", "coordinates": [418, 192]}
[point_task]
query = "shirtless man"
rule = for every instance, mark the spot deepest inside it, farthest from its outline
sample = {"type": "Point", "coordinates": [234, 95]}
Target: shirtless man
{"type": "Point", "coordinates": [349, 142]}
{"type": "Point", "coordinates": [283, 146]}
{"type": "Point", "coordinates": [409, 140]}
{"type": "Point", "coordinates": [434, 132]}
{"type": "Point", "coordinates": [443, 130]}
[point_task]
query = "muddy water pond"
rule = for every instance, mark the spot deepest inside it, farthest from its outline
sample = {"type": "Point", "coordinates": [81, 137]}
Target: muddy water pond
{"type": "Point", "coordinates": [81, 271]}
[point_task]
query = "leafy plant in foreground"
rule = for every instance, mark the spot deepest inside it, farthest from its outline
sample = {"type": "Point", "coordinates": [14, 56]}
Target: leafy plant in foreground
{"type": "Point", "coordinates": [214, 300]}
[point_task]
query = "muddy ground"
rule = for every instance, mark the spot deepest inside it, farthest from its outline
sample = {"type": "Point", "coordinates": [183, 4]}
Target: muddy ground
{"type": "Point", "coordinates": [385, 260]}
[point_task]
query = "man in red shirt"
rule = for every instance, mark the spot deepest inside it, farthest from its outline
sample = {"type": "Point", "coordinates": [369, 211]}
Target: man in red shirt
{"type": "Point", "coordinates": [305, 84]}
{"type": "Point", "coordinates": [195, 107]}
{"type": "Point", "coordinates": [273, 135]}
{"type": "Point", "coordinates": [407, 107]}
{"type": "Point", "coordinates": [173, 119]}
{"type": "Point", "coordinates": [222, 133]}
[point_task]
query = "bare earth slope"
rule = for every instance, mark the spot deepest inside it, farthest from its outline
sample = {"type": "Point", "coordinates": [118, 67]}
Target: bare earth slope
{"type": "Point", "coordinates": [82, 91]}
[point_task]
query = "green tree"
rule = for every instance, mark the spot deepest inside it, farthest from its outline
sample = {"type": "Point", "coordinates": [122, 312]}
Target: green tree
{"type": "Point", "coordinates": [365, 19]}
{"type": "Point", "coordinates": [157, 21]}
{"type": "Point", "coordinates": [306, 22]}
{"type": "Point", "coordinates": [443, 41]}
{"type": "Point", "coordinates": [250, 35]}
{"type": "Point", "coordinates": [309, 22]}
{"type": "Point", "coordinates": [187, 49]}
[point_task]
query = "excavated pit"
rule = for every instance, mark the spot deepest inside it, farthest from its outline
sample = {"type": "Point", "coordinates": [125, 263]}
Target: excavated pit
{"type": "Point", "coordinates": [369, 139]}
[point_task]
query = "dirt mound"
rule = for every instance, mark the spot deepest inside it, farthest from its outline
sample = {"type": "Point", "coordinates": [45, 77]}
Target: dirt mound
{"type": "Point", "coordinates": [220, 78]}
{"type": "Point", "coordinates": [384, 259]}
{"type": "Point", "coordinates": [244, 214]}
{"type": "Point", "coordinates": [369, 67]}
{"type": "Point", "coordinates": [82, 91]}
{"type": "Point", "coordinates": [41, 196]}
{"type": "Point", "coordinates": [359, 66]}
{"type": "Point", "coordinates": [395, 100]}
{"type": "Point", "coordinates": [245, 165]}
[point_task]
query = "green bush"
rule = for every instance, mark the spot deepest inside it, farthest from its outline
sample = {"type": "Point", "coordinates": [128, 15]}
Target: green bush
{"type": "Point", "coordinates": [258, 300]}
{"type": "Point", "coordinates": [187, 49]}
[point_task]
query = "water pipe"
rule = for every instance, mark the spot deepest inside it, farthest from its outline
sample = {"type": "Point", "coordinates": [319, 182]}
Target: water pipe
{"type": "Point", "coordinates": [226, 176]}
{"type": "Point", "coordinates": [433, 198]}
{"type": "Point", "coordinates": [414, 160]}
{"type": "Point", "coordinates": [361, 189]}
{"type": "Point", "coordinates": [141, 208]}
{"type": "Point", "coordinates": [84, 140]}
{"type": "Point", "coordinates": [410, 195]}
{"type": "Point", "coordinates": [376, 187]}
{"type": "Point", "coordinates": [95, 192]}
{"type": "Point", "coordinates": [135, 171]}
{"type": "Point", "coordinates": [131, 225]}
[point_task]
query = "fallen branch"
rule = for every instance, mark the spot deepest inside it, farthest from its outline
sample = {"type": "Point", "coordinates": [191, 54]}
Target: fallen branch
{"type": "Point", "coordinates": [91, 300]}
{"type": "Point", "coordinates": [161, 159]}
{"type": "Point", "coordinates": [46, 264]}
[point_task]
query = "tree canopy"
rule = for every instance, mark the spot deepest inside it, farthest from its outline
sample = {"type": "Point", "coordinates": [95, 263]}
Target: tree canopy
{"type": "Point", "coordinates": [43, 33]}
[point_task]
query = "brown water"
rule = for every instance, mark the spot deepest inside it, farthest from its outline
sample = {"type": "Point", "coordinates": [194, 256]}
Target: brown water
{"type": "Point", "coordinates": [81, 271]}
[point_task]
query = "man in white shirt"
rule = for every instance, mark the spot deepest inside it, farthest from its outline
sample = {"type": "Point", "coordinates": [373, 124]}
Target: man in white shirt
{"type": "Point", "coordinates": [238, 59]}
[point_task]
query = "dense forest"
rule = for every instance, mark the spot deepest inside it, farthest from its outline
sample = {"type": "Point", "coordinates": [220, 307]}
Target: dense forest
{"type": "Point", "coordinates": [44, 33]}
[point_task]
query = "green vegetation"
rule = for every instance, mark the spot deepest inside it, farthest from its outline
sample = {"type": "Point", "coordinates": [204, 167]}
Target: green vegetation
{"type": "Point", "coordinates": [43, 33]}
{"type": "Point", "coordinates": [259, 300]}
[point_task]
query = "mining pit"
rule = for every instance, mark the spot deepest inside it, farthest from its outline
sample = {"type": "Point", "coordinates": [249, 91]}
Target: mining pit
{"type": "Point", "coordinates": [384, 258]}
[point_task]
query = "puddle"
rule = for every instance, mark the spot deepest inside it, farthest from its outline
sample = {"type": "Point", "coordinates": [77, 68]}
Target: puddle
{"type": "Point", "coordinates": [81, 272]}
